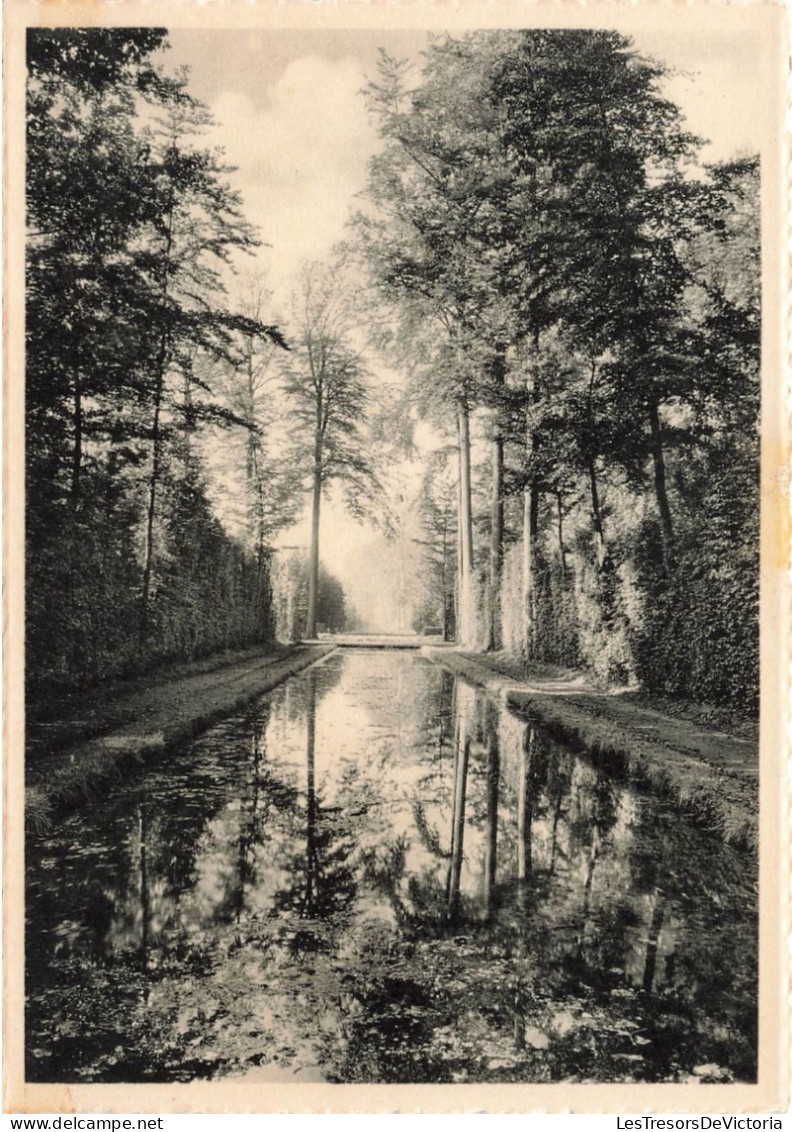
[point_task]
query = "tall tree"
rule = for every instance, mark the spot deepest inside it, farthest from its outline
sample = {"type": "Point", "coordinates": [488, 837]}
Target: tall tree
{"type": "Point", "coordinates": [86, 205]}
{"type": "Point", "coordinates": [130, 225]}
{"type": "Point", "coordinates": [326, 383]}
{"type": "Point", "coordinates": [259, 491]}
{"type": "Point", "coordinates": [423, 243]}
{"type": "Point", "coordinates": [88, 212]}
{"type": "Point", "coordinates": [197, 228]}
{"type": "Point", "coordinates": [598, 150]}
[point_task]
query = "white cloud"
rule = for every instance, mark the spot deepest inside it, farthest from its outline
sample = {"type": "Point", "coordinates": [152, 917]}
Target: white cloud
{"type": "Point", "coordinates": [301, 158]}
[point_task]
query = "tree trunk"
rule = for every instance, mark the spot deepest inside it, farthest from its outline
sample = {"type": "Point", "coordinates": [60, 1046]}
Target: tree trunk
{"type": "Point", "coordinates": [291, 619]}
{"type": "Point", "coordinates": [530, 516]}
{"type": "Point", "coordinates": [159, 389]}
{"type": "Point", "coordinates": [593, 858]}
{"type": "Point", "coordinates": [145, 896]}
{"type": "Point", "coordinates": [78, 438]}
{"type": "Point", "coordinates": [247, 834]}
{"type": "Point", "coordinates": [653, 940]}
{"type": "Point", "coordinates": [188, 426]}
{"type": "Point", "coordinates": [456, 718]}
{"type": "Point", "coordinates": [458, 822]}
{"type": "Point", "coordinates": [494, 640]}
{"type": "Point", "coordinates": [493, 783]}
{"type": "Point", "coordinates": [525, 813]}
{"type": "Point", "coordinates": [591, 466]}
{"type": "Point", "coordinates": [151, 509]}
{"type": "Point", "coordinates": [496, 546]}
{"type": "Point", "coordinates": [313, 569]}
{"type": "Point", "coordinates": [447, 604]}
{"type": "Point", "coordinates": [253, 475]}
{"type": "Point", "coordinates": [530, 537]}
{"type": "Point", "coordinates": [466, 630]}
{"type": "Point", "coordinates": [459, 565]}
{"type": "Point", "coordinates": [561, 546]}
{"type": "Point", "coordinates": [596, 512]}
{"type": "Point", "coordinates": [658, 459]}
{"type": "Point", "coordinates": [554, 833]}
{"type": "Point", "coordinates": [311, 852]}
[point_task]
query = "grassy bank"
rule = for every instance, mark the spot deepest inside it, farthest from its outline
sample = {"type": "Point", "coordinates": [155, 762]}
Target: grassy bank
{"type": "Point", "coordinates": [711, 776]}
{"type": "Point", "coordinates": [83, 756]}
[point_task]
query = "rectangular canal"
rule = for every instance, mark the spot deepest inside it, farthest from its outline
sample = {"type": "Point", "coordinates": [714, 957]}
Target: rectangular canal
{"type": "Point", "coordinates": [375, 874]}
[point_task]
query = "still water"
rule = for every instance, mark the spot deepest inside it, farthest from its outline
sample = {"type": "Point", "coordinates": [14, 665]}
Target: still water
{"type": "Point", "coordinates": [375, 874]}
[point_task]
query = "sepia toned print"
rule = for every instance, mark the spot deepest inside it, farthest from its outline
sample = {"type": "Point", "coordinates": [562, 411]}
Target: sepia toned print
{"type": "Point", "coordinates": [403, 454]}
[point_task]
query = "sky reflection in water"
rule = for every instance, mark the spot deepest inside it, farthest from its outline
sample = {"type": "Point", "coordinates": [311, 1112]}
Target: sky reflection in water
{"type": "Point", "coordinates": [376, 874]}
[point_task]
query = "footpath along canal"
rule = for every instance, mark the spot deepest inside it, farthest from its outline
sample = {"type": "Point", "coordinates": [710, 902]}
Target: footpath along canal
{"type": "Point", "coordinates": [376, 872]}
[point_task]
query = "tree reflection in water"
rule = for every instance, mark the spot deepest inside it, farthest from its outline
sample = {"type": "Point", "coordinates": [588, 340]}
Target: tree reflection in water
{"type": "Point", "coordinates": [380, 875]}
{"type": "Point", "coordinates": [323, 882]}
{"type": "Point", "coordinates": [493, 787]}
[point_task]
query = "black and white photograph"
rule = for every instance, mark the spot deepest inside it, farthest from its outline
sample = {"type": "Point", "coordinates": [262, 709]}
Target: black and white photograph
{"type": "Point", "coordinates": [399, 480]}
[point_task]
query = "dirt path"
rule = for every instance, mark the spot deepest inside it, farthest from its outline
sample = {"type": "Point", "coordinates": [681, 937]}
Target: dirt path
{"type": "Point", "coordinates": [713, 775]}
{"type": "Point", "coordinates": [74, 745]}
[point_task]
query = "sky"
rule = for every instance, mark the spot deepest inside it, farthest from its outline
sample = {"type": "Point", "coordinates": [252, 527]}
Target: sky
{"type": "Point", "coordinates": [292, 120]}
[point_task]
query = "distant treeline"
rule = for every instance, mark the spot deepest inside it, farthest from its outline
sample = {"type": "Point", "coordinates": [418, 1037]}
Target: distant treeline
{"type": "Point", "coordinates": [291, 584]}
{"type": "Point", "coordinates": [577, 300]}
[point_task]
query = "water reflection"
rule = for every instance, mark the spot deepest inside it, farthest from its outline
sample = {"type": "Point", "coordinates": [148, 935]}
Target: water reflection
{"type": "Point", "coordinates": [378, 875]}
{"type": "Point", "coordinates": [493, 786]}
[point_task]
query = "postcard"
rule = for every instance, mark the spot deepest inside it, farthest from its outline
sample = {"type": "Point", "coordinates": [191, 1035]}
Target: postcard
{"type": "Point", "coordinates": [397, 557]}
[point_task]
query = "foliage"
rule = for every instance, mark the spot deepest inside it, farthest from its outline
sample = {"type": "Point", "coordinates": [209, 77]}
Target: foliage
{"type": "Point", "coordinates": [546, 252]}
{"type": "Point", "coordinates": [291, 584]}
{"type": "Point", "coordinates": [558, 282]}
{"type": "Point", "coordinates": [258, 491]}
{"type": "Point", "coordinates": [130, 227]}
{"type": "Point", "coordinates": [438, 544]}
{"type": "Point", "coordinates": [326, 387]}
